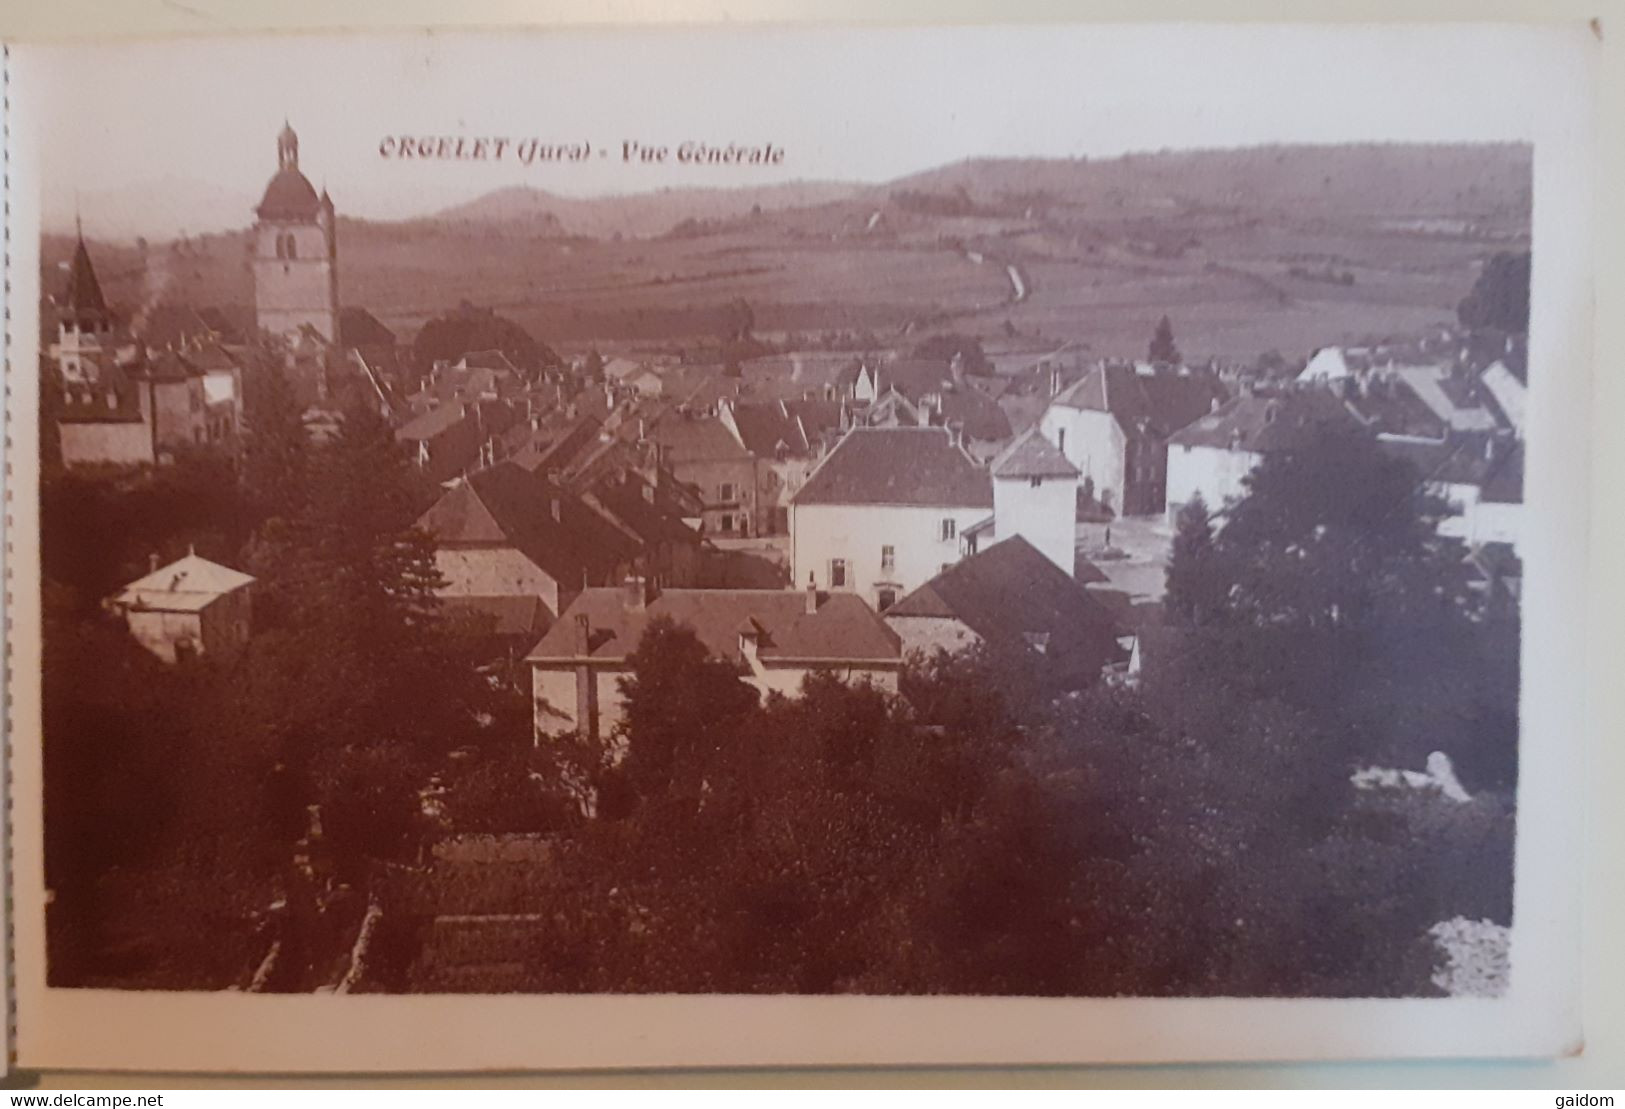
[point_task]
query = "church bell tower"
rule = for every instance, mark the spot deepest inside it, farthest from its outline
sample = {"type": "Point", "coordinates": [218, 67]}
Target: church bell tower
{"type": "Point", "coordinates": [295, 252]}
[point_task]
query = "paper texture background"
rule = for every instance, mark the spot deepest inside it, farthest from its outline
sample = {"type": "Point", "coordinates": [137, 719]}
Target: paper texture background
{"type": "Point", "coordinates": [1583, 649]}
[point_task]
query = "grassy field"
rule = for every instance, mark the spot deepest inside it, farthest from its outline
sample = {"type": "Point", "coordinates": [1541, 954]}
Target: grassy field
{"type": "Point", "coordinates": [1247, 251]}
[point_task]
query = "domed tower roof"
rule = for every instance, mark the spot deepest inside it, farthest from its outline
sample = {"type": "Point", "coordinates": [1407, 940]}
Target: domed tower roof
{"type": "Point", "coordinates": [289, 196]}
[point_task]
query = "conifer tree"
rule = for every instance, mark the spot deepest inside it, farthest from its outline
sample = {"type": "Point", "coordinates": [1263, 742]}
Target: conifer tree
{"type": "Point", "coordinates": [1163, 350]}
{"type": "Point", "coordinates": [1195, 587]}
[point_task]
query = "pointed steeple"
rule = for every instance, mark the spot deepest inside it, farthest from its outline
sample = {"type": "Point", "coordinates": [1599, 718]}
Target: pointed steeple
{"type": "Point", "coordinates": [84, 293]}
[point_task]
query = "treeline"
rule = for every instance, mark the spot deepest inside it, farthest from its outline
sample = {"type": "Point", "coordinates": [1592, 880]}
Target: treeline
{"type": "Point", "coordinates": [176, 797]}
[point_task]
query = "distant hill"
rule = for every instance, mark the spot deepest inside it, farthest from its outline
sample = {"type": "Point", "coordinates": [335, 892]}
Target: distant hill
{"type": "Point", "coordinates": [1396, 180]}
{"type": "Point", "coordinates": [1249, 251]}
{"type": "Point", "coordinates": [639, 214]}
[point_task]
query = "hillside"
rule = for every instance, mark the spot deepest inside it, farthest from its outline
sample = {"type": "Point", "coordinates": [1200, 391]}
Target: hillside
{"type": "Point", "coordinates": [638, 214]}
{"type": "Point", "coordinates": [1250, 250]}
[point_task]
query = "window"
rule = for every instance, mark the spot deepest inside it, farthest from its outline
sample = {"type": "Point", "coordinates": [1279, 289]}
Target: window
{"type": "Point", "coordinates": [293, 249]}
{"type": "Point", "coordinates": [885, 599]}
{"type": "Point", "coordinates": [727, 491]}
{"type": "Point", "coordinates": [888, 557]}
{"type": "Point", "coordinates": [837, 573]}
{"type": "Point", "coordinates": [1060, 440]}
{"type": "Point", "coordinates": [1035, 481]}
{"type": "Point", "coordinates": [727, 523]}
{"type": "Point", "coordinates": [949, 528]}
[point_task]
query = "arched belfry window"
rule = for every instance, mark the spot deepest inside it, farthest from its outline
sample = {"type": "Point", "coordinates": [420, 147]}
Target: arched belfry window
{"type": "Point", "coordinates": [281, 246]}
{"type": "Point", "coordinates": [293, 251]}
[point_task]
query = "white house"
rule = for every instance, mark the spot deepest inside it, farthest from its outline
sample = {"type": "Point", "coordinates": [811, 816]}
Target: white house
{"type": "Point", "coordinates": [776, 636]}
{"type": "Point", "coordinates": [1035, 496]}
{"type": "Point", "coordinates": [885, 510]}
{"type": "Point", "coordinates": [1212, 457]}
{"type": "Point", "coordinates": [189, 608]}
{"type": "Point", "coordinates": [1509, 392]}
{"type": "Point", "coordinates": [1480, 479]}
{"type": "Point", "coordinates": [1326, 364]}
{"type": "Point", "coordinates": [1113, 424]}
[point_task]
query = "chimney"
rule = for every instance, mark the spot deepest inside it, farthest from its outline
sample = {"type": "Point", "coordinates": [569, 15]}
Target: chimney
{"type": "Point", "coordinates": [583, 645]}
{"type": "Point", "coordinates": [812, 595]}
{"type": "Point", "coordinates": [749, 640]}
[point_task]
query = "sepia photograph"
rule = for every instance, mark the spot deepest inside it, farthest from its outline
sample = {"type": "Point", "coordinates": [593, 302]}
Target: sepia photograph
{"type": "Point", "coordinates": [562, 552]}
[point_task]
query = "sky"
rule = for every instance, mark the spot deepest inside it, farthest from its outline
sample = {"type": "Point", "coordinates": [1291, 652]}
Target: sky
{"type": "Point", "coordinates": [162, 137]}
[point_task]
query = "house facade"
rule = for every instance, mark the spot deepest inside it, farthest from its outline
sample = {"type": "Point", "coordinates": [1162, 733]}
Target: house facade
{"type": "Point", "coordinates": [1212, 457]}
{"type": "Point", "coordinates": [885, 511]}
{"type": "Point", "coordinates": [188, 609]}
{"type": "Point", "coordinates": [507, 532]}
{"type": "Point", "coordinates": [1479, 479]}
{"type": "Point", "coordinates": [1035, 496]}
{"type": "Point", "coordinates": [1013, 597]}
{"type": "Point", "coordinates": [703, 452]}
{"type": "Point", "coordinates": [776, 638]}
{"type": "Point", "coordinates": [1114, 423]}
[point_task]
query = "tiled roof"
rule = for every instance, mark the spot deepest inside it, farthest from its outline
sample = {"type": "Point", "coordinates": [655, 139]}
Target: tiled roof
{"type": "Point", "coordinates": [360, 328]}
{"type": "Point", "coordinates": [1032, 455]}
{"type": "Point", "coordinates": [517, 616]}
{"type": "Point", "coordinates": [506, 504]}
{"type": "Point", "coordinates": [213, 356]}
{"type": "Point", "coordinates": [685, 438]}
{"type": "Point", "coordinates": [841, 629]}
{"type": "Point", "coordinates": [768, 430]}
{"type": "Point", "coordinates": [1156, 404]}
{"type": "Point", "coordinates": [1288, 421]}
{"type": "Point", "coordinates": [1012, 593]}
{"type": "Point", "coordinates": [898, 466]}
{"type": "Point", "coordinates": [1447, 397]}
{"type": "Point", "coordinates": [166, 365]}
{"type": "Point", "coordinates": [187, 583]}
{"type": "Point", "coordinates": [659, 520]}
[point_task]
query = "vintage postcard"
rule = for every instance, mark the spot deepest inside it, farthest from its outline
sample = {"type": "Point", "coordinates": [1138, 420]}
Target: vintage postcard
{"type": "Point", "coordinates": [824, 546]}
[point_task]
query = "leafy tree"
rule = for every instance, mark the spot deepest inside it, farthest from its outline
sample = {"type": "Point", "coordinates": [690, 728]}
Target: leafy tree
{"type": "Point", "coordinates": [738, 321]}
{"type": "Point", "coordinates": [1338, 534]}
{"type": "Point", "coordinates": [468, 329]}
{"type": "Point", "coordinates": [1499, 299]}
{"type": "Point", "coordinates": [1162, 348]}
{"type": "Point", "coordinates": [967, 348]}
{"type": "Point", "coordinates": [679, 709]}
{"type": "Point", "coordinates": [1196, 587]}
{"type": "Point", "coordinates": [276, 447]}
